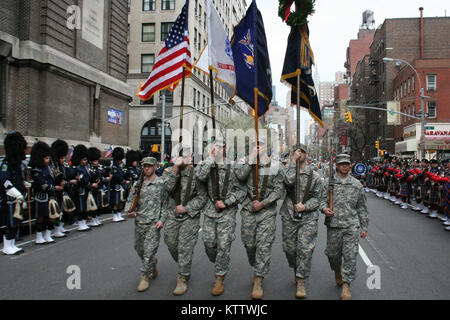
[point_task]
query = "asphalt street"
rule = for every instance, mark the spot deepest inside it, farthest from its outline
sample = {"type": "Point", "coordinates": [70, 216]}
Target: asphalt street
{"type": "Point", "coordinates": [410, 251]}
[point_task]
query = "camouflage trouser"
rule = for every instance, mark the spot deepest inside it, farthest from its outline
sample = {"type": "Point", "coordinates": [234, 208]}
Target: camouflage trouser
{"type": "Point", "coordinates": [181, 238]}
{"type": "Point", "coordinates": [146, 245]}
{"type": "Point", "coordinates": [299, 242]}
{"type": "Point", "coordinates": [218, 235]}
{"type": "Point", "coordinates": [258, 235]}
{"type": "Point", "coordinates": [342, 244]}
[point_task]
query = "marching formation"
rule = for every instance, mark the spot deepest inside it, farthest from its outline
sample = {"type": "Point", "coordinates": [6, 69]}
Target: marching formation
{"type": "Point", "coordinates": [219, 189]}
{"type": "Point", "coordinates": [425, 182]}
{"type": "Point", "coordinates": [53, 193]}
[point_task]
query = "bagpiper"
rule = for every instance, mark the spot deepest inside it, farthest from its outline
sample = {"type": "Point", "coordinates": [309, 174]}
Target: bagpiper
{"type": "Point", "coordinates": [117, 191]}
{"type": "Point", "coordinates": [12, 190]}
{"type": "Point", "coordinates": [79, 162]}
{"type": "Point", "coordinates": [43, 186]}
{"type": "Point", "coordinates": [59, 150]}
{"type": "Point", "coordinates": [96, 179]}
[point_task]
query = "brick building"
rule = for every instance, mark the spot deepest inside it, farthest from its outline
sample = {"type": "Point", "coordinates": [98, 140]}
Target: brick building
{"type": "Point", "coordinates": [357, 49]}
{"type": "Point", "coordinates": [63, 71]}
{"type": "Point", "coordinates": [410, 39]}
{"type": "Point", "coordinates": [435, 79]}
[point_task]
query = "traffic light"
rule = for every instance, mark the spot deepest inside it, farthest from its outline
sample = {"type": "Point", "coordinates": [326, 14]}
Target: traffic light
{"type": "Point", "coordinates": [156, 148]}
{"type": "Point", "coordinates": [348, 117]}
{"type": "Point", "coordinates": [377, 144]}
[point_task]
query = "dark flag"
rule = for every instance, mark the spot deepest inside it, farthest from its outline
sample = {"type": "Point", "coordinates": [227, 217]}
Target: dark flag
{"type": "Point", "coordinates": [251, 60]}
{"type": "Point", "coordinates": [299, 60]}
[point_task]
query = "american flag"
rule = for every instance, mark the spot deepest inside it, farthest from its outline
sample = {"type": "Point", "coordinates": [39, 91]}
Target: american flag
{"type": "Point", "coordinates": [109, 152]}
{"type": "Point", "coordinates": [168, 69]}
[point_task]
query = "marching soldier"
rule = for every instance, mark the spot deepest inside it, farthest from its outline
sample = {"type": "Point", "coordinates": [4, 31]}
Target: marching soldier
{"type": "Point", "coordinates": [12, 190]}
{"type": "Point", "coordinates": [118, 180]}
{"type": "Point", "coordinates": [43, 190]}
{"type": "Point", "coordinates": [345, 224]}
{"type": "Point", "coordinates": [434, 184]}
{"type": "Point", "coordinates": [259, 215]}
{"type": "Point", "coordinates": [300, 220]}
{"type": "Point", "coordinates": [183, 221]}
{"type": "Point", "coordinates": [219, 223]}
{"type": "Point", "coordinates": [150, 215]}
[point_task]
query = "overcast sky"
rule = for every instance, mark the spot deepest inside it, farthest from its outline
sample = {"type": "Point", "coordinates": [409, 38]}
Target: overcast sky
{"type": "Point", "coordinates": [332, 27]}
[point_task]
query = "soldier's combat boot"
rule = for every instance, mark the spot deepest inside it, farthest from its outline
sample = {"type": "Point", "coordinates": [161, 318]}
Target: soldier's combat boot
{"type": "Point", "coordinates": [155, 270]}
{"type": "Point", "coordinates": [218, 286]}
{"type": "Point", "coordinates": [144, 284]}
{"type": "Point", "coordinates": [181, 286]}
{"type": "Point", "coordinates": [338, 277]}
{"type": "Point", "coordinates": [257, 292]}
{"type": "Point", "coordinates": [346, 295]}
{"type": "Point", "coordinates": [301, 292]}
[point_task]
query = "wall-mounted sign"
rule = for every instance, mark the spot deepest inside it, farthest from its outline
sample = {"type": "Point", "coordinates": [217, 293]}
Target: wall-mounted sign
{"type": "Point", "coordinates": [115, 116]}
{"type": "Point", "coordinates": [93, 20]}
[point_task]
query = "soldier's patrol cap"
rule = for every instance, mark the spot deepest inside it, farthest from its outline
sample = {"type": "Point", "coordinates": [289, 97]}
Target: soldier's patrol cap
{"type": "Point", "coordinates": [343, 158]}
{"type": "Point", "coordinates": [149, 161]}
{"type": "Point", "coordinates": [433, 161]}
{"type": "Point", "coordinates": [300, 146]}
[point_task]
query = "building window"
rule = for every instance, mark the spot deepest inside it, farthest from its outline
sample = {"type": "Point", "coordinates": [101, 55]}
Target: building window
{"type": "Point", "coordinates": [431, 82]}
{"type": "Point", "coordinates": [129, 5]}
{"type": "Point", "coordinates": [151, 101]}
{"type": "Point", "coordinates": [165, 29]}
{"type": "Point", "coordinates": [148, 32]}
{"type": "Point", "coordinates": [147, 62]}
{"type": "Point", "coordinates": [169, 96]}
{"type": "Point", "coordinates": [409, 85]}
{"type": "Point", "coordinates": [148, 5]}
{"type": "Point", "coordinates": [168, 5]}
{"type": "Point", "coordinates": [195, 94]}
{"type": "Point", "coordinates": [432, 109]}
{"type": "Point", "coordinates": [412, 83]}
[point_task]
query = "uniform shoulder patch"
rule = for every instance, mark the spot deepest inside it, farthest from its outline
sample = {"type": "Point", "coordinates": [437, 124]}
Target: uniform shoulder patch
{"type": "Point", "coordinates": [4, 167]}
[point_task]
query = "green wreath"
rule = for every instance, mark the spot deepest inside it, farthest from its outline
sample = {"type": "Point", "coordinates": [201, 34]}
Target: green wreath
{"type": "Point", "coordinates": [297, 18]}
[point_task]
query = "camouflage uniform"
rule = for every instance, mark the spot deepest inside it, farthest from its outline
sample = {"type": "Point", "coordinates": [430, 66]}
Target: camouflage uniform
{"type": "Point", "coordinates": [150, 209]}
{"type": "Point", "coordinates": [343, 229]}
{"type": "Point", "coordinates": [219, 227]}
{"type": "Point", "coordinates": [181, 234]}
{"type": "Point", "coordinates": [258, 228]}
{"type": "Point", "coordinates": [300, 235]}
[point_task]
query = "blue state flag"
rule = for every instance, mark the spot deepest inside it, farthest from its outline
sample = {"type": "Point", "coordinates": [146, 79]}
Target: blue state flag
{"type": "Point", "coordinates": [298, 61]}
{"type": "Point", "coordinates": [251, 60]}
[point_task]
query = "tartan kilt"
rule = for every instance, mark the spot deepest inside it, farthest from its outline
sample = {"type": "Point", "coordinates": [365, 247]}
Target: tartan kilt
{"type": "Point", "coordinates": [404, 190]}
{"type": "Point", "coordinates": [434, 195]}
{"type": "Point", "coordinates": [446, 199]}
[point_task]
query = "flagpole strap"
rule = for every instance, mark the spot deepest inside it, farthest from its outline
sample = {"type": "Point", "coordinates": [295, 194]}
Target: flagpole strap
{"type": "Point", "coordinates": [255, 185]}
{"type": "Point", "coordinates": [297, 167]}
{"type": "Point", "coordinates": [213, 115]}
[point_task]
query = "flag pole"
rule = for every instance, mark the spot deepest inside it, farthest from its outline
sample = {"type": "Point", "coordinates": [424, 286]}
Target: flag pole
{"type": "Point", "coordinates": [255, 181]}
{"type": "Point", "coordinates": [297, 169]}
{"type": "Point", "coordinates": [180, 140]}
{"type": "Point", "coordinates": [213, 115]}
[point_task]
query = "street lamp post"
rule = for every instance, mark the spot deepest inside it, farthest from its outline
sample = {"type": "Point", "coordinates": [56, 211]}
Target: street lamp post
{"type": "Point", "coordinates": [422, 104]}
